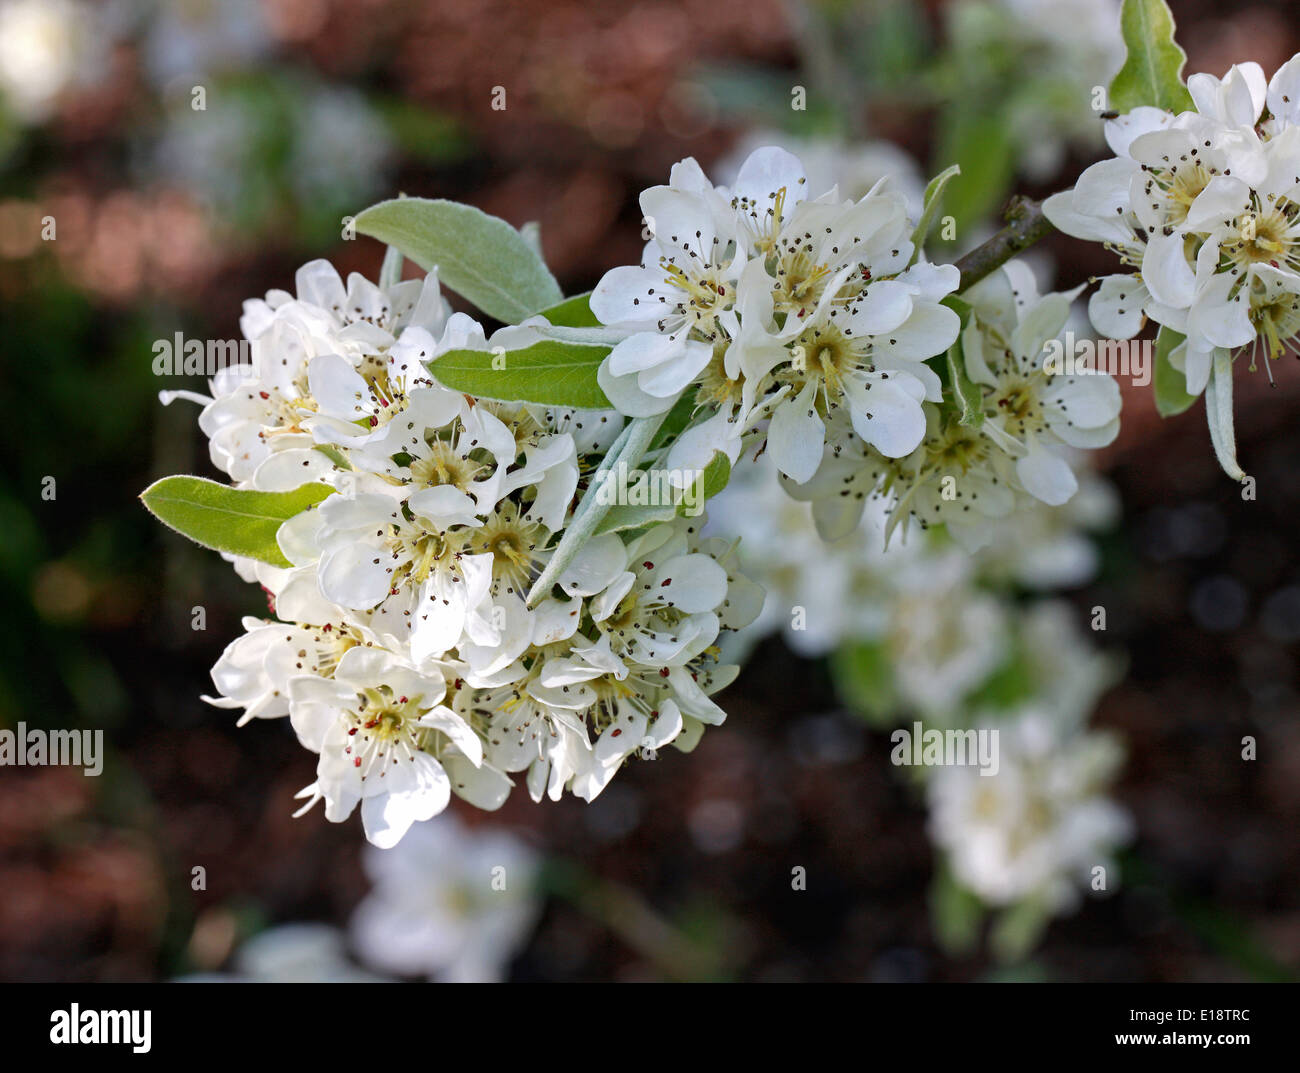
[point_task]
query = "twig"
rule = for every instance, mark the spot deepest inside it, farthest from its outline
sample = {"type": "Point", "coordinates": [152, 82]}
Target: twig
{"type": "Point", "coordinates": [1026, 225]}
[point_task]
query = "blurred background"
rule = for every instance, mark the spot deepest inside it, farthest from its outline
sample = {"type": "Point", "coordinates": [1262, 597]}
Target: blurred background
{"type": "Point", "coordinates": [192, 153]}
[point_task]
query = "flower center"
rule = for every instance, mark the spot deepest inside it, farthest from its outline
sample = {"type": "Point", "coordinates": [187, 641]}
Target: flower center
{"type": "Point", "coordinates": [1181, 186]}
{"type": "Point", "coordinates": [443, 466]}
{"type": "Point", "coordinates": [512, 541]}
{"type": "Point", "coordinates": [1263, 238]}
{"type": "Point", "coordinates": [703, 298]}
{"type": "Point", "coordinates": [716, 387]}
{"type": "Point", "coordinates": [1277, 321]}
{"type": "Point", "coordinates": [384, 729]}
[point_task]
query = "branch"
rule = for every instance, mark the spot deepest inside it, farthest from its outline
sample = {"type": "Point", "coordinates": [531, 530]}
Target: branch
{"type": "Point", "coordinates": [1026, 225]}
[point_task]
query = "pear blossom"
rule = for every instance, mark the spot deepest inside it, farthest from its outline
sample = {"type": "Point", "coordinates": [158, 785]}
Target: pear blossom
{"type": "Point", "coordinates": [967, 474]}
{"type": "Point", "coordinates": [254, 671]}
{"type": "Point", "coordinates": [673, 303]}
{"type": "Point", "coordinates": [1202, 207]}
{"type": "Point", "coordinates": [1030, 410]}
{"type": "Point", "coordinates": [266, 408]}
{"type": "Point", "coordinates": [381, 732]}
{"type": "Point", "coordinates": [819, 307]}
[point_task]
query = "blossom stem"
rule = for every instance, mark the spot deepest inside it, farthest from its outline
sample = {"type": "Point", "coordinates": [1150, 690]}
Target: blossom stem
{"type": "Point", "coordinates": [1026, 225]}
{"type": "Point", "coordinates": [629, 448]}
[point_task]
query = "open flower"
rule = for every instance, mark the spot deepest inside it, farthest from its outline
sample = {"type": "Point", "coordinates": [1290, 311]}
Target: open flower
{"type": "Point", "coordinates": [381, 730]}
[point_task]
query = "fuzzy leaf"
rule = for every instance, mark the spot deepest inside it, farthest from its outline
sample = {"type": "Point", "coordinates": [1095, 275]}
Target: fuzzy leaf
{"type": "Point", "coordinates": [1153, 69]}
{"type": "Point", "coordinates": [932, 203]}
{"type": "Point", "coordinates": [550, 373]}
{"type": "Point", "coordinates": [863, 673]}
{"type": "Point", "coordinates": [573, 312]}
{"type": "Point", "coordinates": [481, 257]}
{"type": "Point", "coordinates": [238, 521]}
{"type": "Point", "coordinates": [955, 912]}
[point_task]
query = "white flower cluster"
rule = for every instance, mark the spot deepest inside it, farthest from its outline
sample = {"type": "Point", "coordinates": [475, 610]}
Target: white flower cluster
{"type": "Point", "coordinates": [1202, 207]}
{"type": "Point", "coordinates": [968, 472]}
{"type": "Point", "coordinates": [405, 653]}
{"type": "Point", "coordinates": [804, 317]}
{"type": "Point", "coordinates": [805, 324]}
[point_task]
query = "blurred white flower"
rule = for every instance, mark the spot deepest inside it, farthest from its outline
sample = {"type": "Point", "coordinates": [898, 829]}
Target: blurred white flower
{"type": "Point", "coordinates": [344, 148]}
{"type": "Point", "coordinates": [1038, 827]}
{"type": "Point", "coordinates": [186, 41]}
{"type": "Point", "coordinates": [451, 903]}
{"type": "Point", "coordinates": [1044, 547]}
{"type": "Point", "coordinates": [945, 635]}
{"type": "Point", "coordinates": [1057, 51]}
{"type": "Point", "coordinates": [47, 47]}
{"type": "Point", "coordinates": [818, 594]}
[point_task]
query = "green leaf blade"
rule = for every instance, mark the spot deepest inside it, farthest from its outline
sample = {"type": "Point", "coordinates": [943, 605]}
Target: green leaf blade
{"type": "Point", "coordinates": [548, 373]}
{"type": "Point", "coordinates": [478, 256]}
{"type": "Point", "coordinates": [573, 312]}
{"type": "Point", "coordinates": [238, 521]}
{"type": "Point", "coordinates": [1153, 67]}
{"type": "Point", "coordinates": [932, 203]}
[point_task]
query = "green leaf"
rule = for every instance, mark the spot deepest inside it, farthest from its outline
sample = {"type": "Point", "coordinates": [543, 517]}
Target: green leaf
{"type": "Point", "coordinates": [715, 476]}
{"type": "Point", "coordinates": [1153, 69]}
{"type": "Point", "coordinates": [1009, 685]}
{"type": "Point", "coordinates": [712, 480]}
{"type": "Point", "coordinates": [980, 142]}
{"type": "Point", "coordinates": [431, 137]}
{"type": "Point", "coordinates": [863, 673]}
{"type": "Point", "coordinates": [550, 373]}
{"type": "Point", "coordinates": [966, 392]}
{"type": "Point", "coordinates": [955, 912]}
{"type": "Point", "coordinates": [234, 520]}
{"type": "Point", "coordinates": [479, 256]}
{"type": "Point", "coordinates": [1170, 385]}
{"type": "Point", "coordinates": [931, 205]}
{"type": "Point", "coordinates": [573, 312]}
